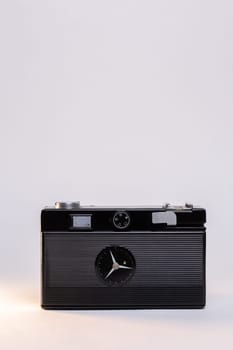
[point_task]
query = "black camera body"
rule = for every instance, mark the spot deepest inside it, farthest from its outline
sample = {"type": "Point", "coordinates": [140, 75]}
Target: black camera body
{"type": "Point", "coordinates": [123, 258]}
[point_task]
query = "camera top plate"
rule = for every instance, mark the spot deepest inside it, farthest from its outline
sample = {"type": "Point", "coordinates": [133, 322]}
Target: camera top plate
{"type": "Point", "coordinates": [71, 216]}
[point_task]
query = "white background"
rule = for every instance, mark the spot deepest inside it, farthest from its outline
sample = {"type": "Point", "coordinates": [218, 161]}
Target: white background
{"type": "Point", "coordinates": [114, 102]}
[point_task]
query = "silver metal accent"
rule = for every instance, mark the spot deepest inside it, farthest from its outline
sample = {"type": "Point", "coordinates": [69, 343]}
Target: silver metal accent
{"type": "Point", "coordinates": [113, 258]}
{"type": "Point", "coordinates": [125, 267]}
{"type": "Point", "coordinates": [164, 217]}
{"type": "Point", "coordinates": [67, 205]}
{"type": "Point", "coordinates": [110, 272]}
{"type": "Point", "coordinates": [166, 205]}
{"type": "Point", "coordinates": [116, 266]}
{"type": "Point", "coordinates": [187, 206]}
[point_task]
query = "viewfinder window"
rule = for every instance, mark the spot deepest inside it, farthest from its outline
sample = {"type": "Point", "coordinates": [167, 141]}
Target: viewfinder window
{"type": "Point", "coordinates": [82, 221]}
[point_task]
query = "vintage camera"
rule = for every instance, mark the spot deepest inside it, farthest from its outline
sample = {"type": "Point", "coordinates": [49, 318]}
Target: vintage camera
{"type": "Point", "coordinates": [123, 258]}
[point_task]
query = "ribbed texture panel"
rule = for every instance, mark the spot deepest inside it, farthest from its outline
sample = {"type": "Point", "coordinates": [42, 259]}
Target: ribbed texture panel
{"type": "Point", "coordinates": [160, 259]}
{"type": "Point", "coordinates": [169, 270]}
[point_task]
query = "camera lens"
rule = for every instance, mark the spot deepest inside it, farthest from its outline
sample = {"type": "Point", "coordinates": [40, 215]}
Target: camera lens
{"type": "Point", "coordinates": [121, 220]}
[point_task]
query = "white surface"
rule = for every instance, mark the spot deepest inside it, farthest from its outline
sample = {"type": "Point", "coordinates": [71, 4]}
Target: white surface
{"type": "Point", "coordinates": [114, 102]}
{"type": "Point", "coordinates": [25, 326]}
